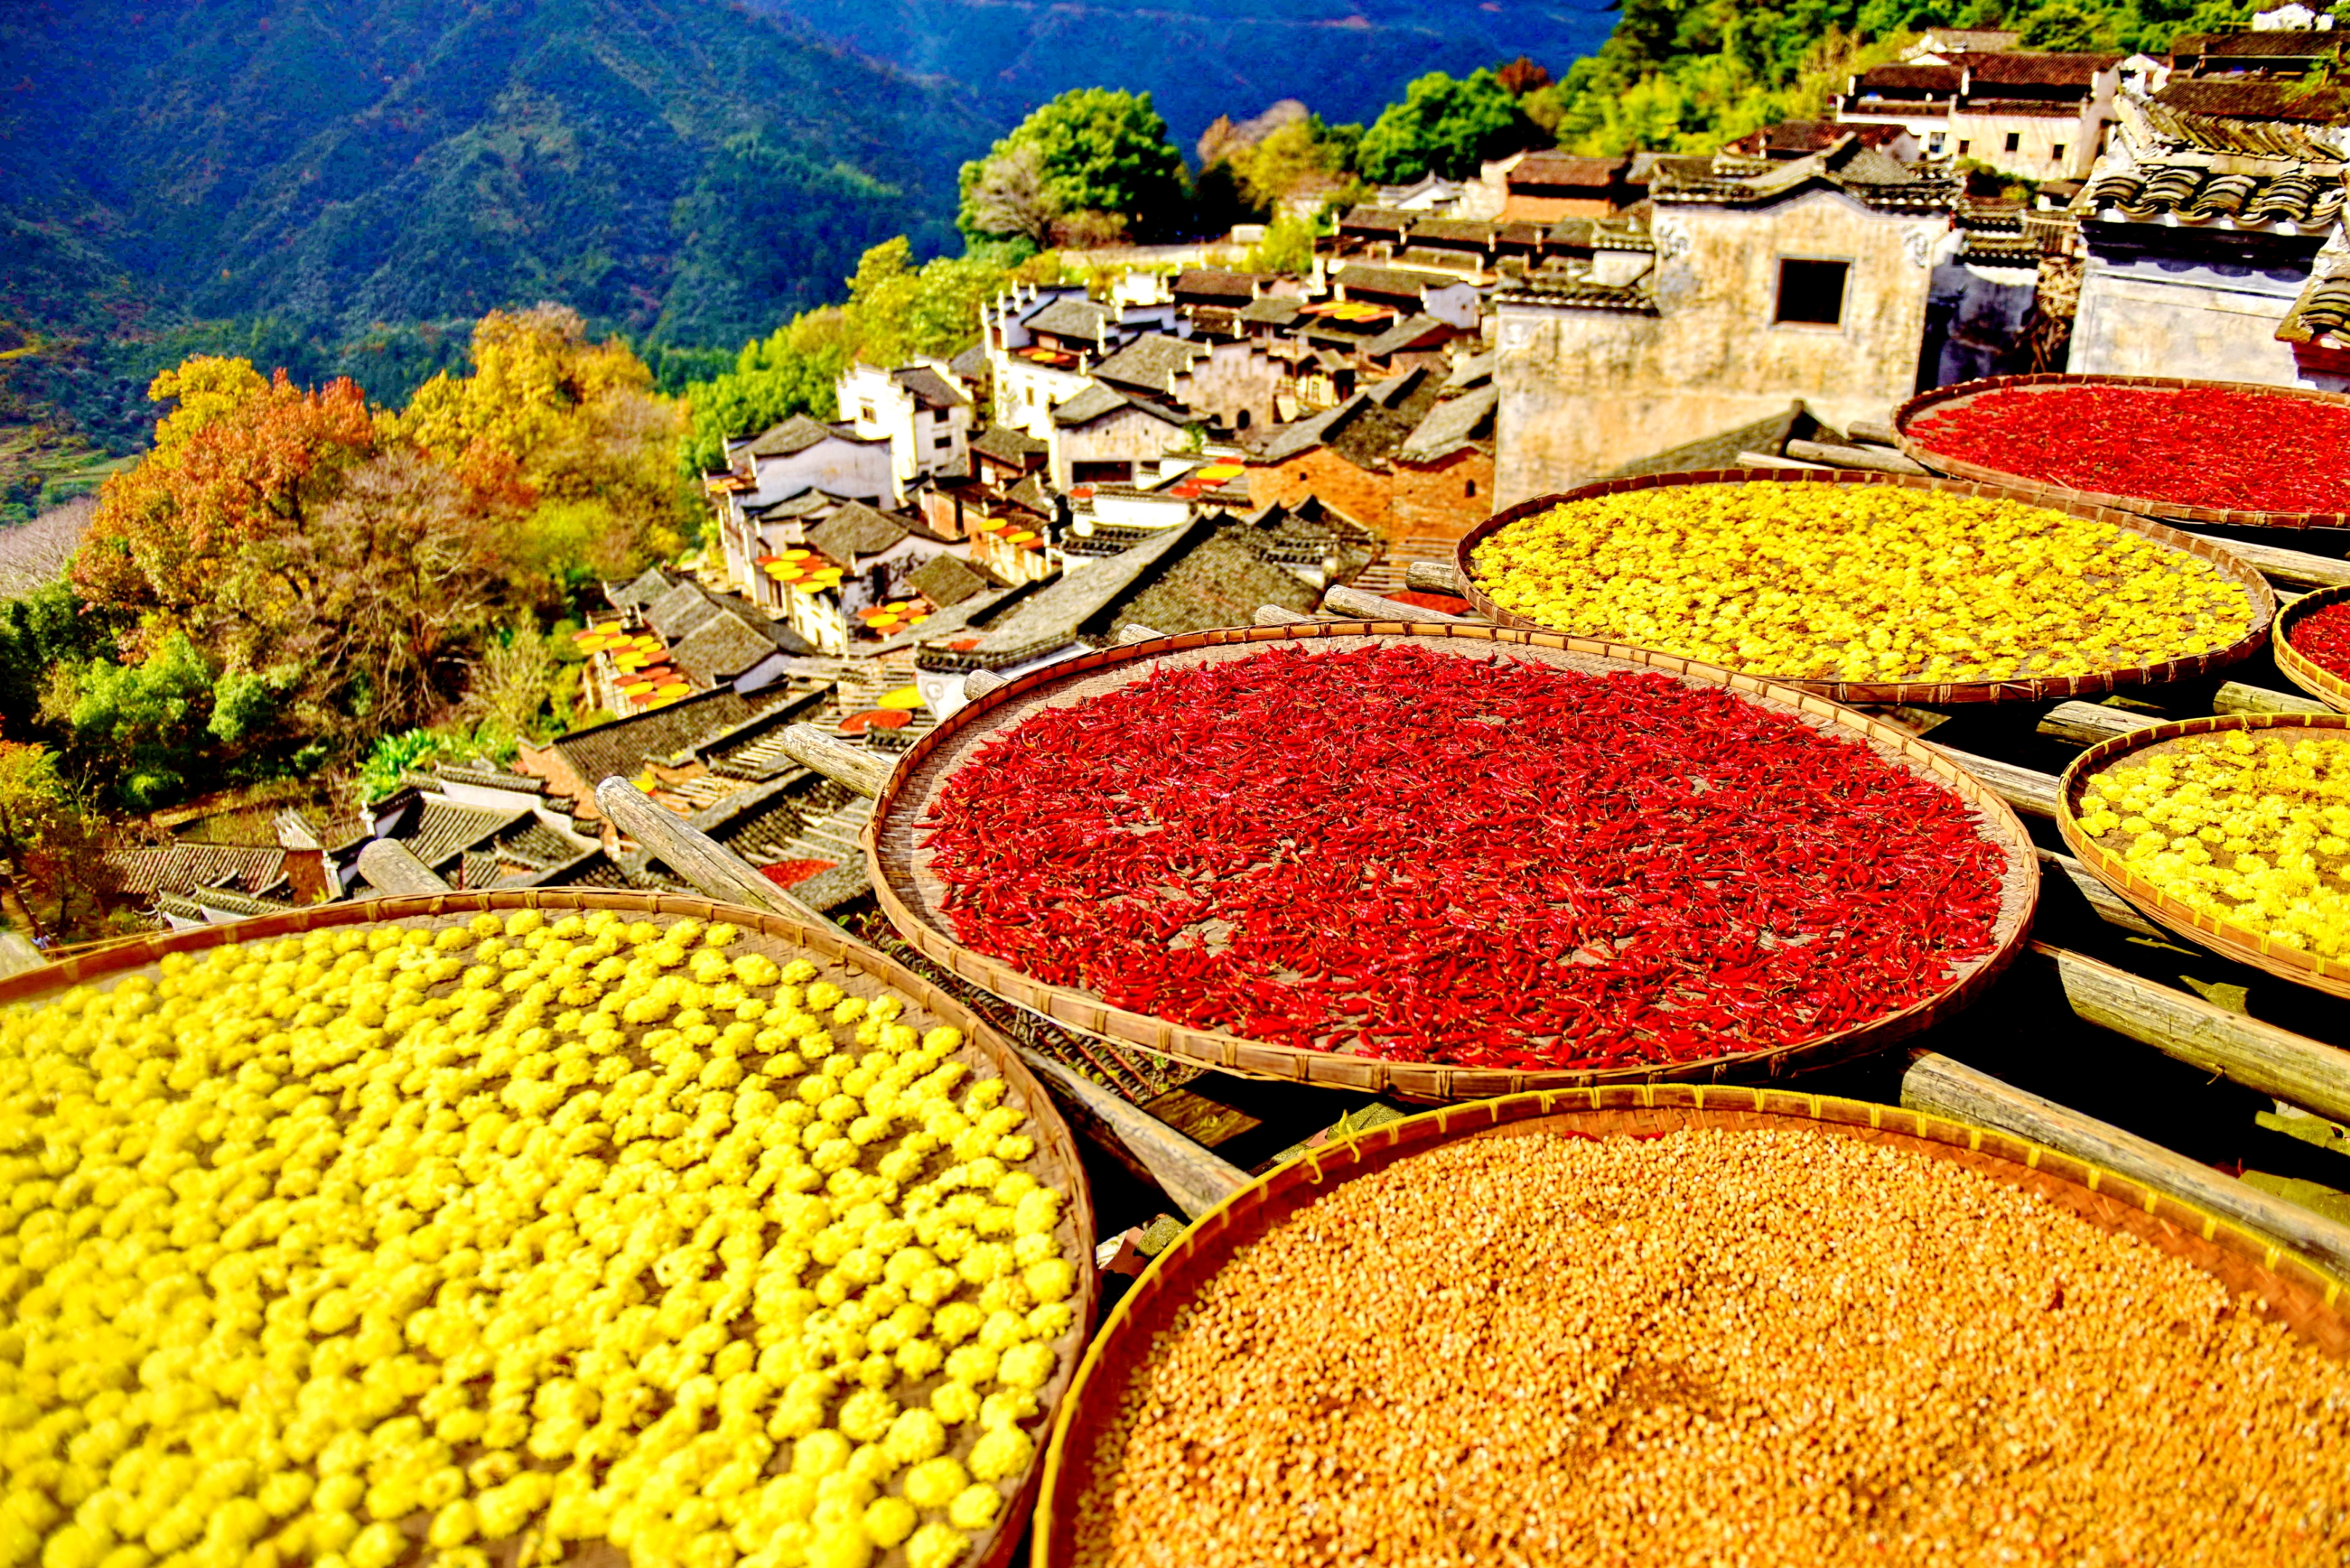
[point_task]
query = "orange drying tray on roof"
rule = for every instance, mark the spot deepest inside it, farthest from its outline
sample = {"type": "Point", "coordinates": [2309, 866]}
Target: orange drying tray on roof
{"type": "Point", "coordinates": [875, 719]}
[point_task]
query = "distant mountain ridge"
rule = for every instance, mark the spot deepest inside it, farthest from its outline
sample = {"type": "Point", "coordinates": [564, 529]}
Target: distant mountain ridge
{"type": "Point", "coordinates": [1347, 60]}
{"type": "Point", "coordinates": [683, 169]}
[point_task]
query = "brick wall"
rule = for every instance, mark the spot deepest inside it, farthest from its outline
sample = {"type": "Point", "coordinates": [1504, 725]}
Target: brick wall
{"type": "Point", "coordinates": [1444, 498]}
{"type": "Point", "coordinates": [1323, 474]}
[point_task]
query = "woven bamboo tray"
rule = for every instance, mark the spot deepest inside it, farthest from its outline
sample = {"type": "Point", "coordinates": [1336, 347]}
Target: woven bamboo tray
{"type": "Point", "coordinates": [1942, 398]}
{"type": "Point", "coordinates": [2032, 689]}
{"type": "Point", "coordinates": [2313, 1303]}
{"type": "Point", "coordinates": [856, 969]}
{"type": "Point", "coordinates": [2303, 671]}
{"type": "Point", "coordinates": [911, 896]}
{"type": "Point", "coordinates": [2329, 975]}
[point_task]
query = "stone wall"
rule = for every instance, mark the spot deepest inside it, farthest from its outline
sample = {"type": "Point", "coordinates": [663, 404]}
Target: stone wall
{"type": "Point", "coordinates": [1585, 392]}
{"type": "Point", "coordinates": [1444, 498]}
{"type": "Point", "coordinates": [2209, 322]}
{"type": "Point", "coordinates": [1128, 435]}
{"type": "Point", "coordinates": [1361, 493]}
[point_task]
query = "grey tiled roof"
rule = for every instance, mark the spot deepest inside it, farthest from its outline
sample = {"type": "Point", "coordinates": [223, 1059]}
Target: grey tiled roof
{"type": "Point", "coordinates": [2198, 193]}
{"type": "Point", "coordinates": [1383, 219]}
{"type": "Point", "coordinates": [929, 389]}
{"type": "Point", "coordinates": [1770, 437]}
{"type": "Point", "coordinates": [647, 587]}
{"type": "Point", "coordinates": [2324, 309]}
{"type": "Point", "coordinates": [1217, 581]}
{"type": "Point", "coordinates": [855, 530]}
{"type": "Point", "coordinates": [720, 649]}
{"type": "Point", "coordinates": [1007, 443]}
{"type": "Point", "coordinates": [795, 434]}
{"type": "Point", "coordinates": [1391, 280]}
{"type": "Point", "coordinates": [1405, 333]}
{"type": "Point", "coordinates": [1472, 371]}
{"type": "Point", "coordinates": [945, 580]}
{"type": "Point", "coordinates": [618, 749]}
{"type": "Point", "coordinates": [972, 362]}
{"type": "Point", "coordinates": [534, 843]}
{"type": "Point", "coordinates": [1151, 361]}
{"type": "Point", "coordinates": [1273, 310]}
{"type": "Point", "coordinates": [1053, 616]}
{"type": "Point", "coordinates": [443, 829]}
{"type": "Point", "coordinates": [1461, 422]}
{"type": "Point", "coordinates": [681, 612]}
{"type": "Point", "coordinates": [185, 867]}
{"type": "Point", "coordinates": [1098, 400]}
{"type": "Point", "coordinates": [1072, 318]}
{"type": "Point", "coordinates": [489, 778]}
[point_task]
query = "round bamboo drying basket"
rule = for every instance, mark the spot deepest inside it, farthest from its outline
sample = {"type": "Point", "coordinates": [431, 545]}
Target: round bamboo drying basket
{"type": "Point", "coordinates": [1943, 398]}
{"type": "Point", "coordinates": [911, 896]}
{"type": "Point", "coordinates": [858, 970]}
{"type": "Point", "coordinates": [2028, 688]}
{"type": "Point", "coordinates": [2229, 941]}
{"type": "Point", "coordinates": [2312, 1302]}
{"type": "Point", "coordinates": [2303, 671]}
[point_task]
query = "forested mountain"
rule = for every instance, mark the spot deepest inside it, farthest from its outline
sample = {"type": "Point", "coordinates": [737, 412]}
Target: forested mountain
{"type": "Point", "coordinates": [683, 170]}
{"type": "Point", "coordinates": [1202, 59]}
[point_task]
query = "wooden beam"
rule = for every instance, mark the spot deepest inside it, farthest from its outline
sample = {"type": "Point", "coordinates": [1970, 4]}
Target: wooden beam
{"type": "Point", "coordinates": [1872, 432]}
{"type": "Point", "coordinates": [1196, 1178]}
{"type": "Point", "coordinates": [2110, 906]}
{"type": "Point", "coordinates": [391, 867]}
{"type": "Point", "coordinates": [2085, 724]}
{"type": "Point", "coordinates": [1134, 631]}
{"type": "Point", "coordinates": [2236, 697]}
{"type": "Point", "coordinates": [980, 683]}
{"type": "Point", "coordinates": [1357, 605]}
{"type": "Point", "coordinates": [1877, 460]}
{"type": "Point", "coordinates": [2296, 568]}
{"type": "Point", "coordinates": [1765, 459]}
{"type": "Point", "coordinates": [2034, 794]}
{"type": "Point", "coordinates": [2276, 1062]}
{"type": "Point", "coordinates": [1431, 576]}
{"type": "Point", "coordinates": [853, 767]}
{"type": "Point", "coordinates": [1281, 615]}
{"type": "Point", "coordinates": [1943, 1087]}
{"type": "Point", "coordinates": [712, 867]}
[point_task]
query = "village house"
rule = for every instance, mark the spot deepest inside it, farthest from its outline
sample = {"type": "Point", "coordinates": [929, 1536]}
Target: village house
{"type": "Point", "coordinates": [777, 480]}
{"type": "Point", "coordinates": [2214, 239]}
{"type": "Point", "coordinates": [1809, 280]}
{"type": "Point", "coordinates": [1408, 458]}
{"type": "Point", "coordinates": [1225, 386]}
{"type": "Point", "coordinates": [1407, 292]}
{"type": "Point", "coordinates": [2040, 116]}
{"type": "Point", "coordinates": [919, 410]}
{"type": "Point", "coordinates": [1105, 436]}
{"type": "Point", "coordinates": [1544, 187]}
{"type": "Point", "coordinates": [1043, 343]}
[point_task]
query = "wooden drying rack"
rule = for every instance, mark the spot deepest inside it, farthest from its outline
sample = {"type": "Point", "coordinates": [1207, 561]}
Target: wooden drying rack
{"type": "Point", "coordinates": [2105, 976]}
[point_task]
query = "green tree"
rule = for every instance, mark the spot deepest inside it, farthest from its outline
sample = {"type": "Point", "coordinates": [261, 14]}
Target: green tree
{"type": "Point", "coordinates": [52, 873]}
{"type": "Point", "coordinates": [1094, 149]}
{"type": "Point", "coordinates": [2067, 27]}
{"type": "Point", "coordinates": [1444, 127]}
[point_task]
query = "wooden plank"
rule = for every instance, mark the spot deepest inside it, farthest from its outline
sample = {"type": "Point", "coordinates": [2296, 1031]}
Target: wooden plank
{"type": "Point", "coordinates": [2236, 697]}
{"type": "Point", "coordinates": [1357, 605]}
{"type": "Point", "coordinates": [2031, 792]}
{"type": "Point", "coordinates": [717, 871]}
{"type": "Point", "coordinates": [1431, 576]}
{"type": "Point", "coordinates": [2085, 724]}
{"type": "Point", "coordinates": [1134, 631]}
{"type": "Point", "coordinates": [1765, 459]}
{"type": "Point", "coordinates": [1281, 615]}
{"type": "Point", "coordinates": [390, 867]}
{"type": "Point", "coordinates": [2110, 906]}
{"type": "Point", "coordinates": [854, 766]}
{"type": "Point", "coordinates": [1877, 460]}
{"type": "Point", "coordinates": [2295, 568]}
{"type": "Point", "coordinates": [1940, 1086]}
{"type": "Point", "coordinates": [2277, 1061]}
{"type": "Point", "coordinates": [980, 683]}
{"type": "Point", "coordinates": [1196, 1179]}
{"type": "Point", "coordinates": [1195, 1116]}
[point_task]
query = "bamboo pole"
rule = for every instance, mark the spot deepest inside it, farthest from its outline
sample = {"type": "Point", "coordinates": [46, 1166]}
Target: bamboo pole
{"type": "Point", "coordinates": [2295, 568]}
{"type": "Point", "coordinates": [1431, 576]}
{"type": "Point", "coordinates": [980, 683]}
{"type": "Point", "coordinates": [2110, 906]}
{"type": "Point", "coordinates": [2236, 697]}
{"type": "Point", "coordinates": [694, 855]}
{"type": "Point", "coordinates": [2086, 724]}
{"type": "Point", "coordinates": [1937, 1084]}
{"type": "Point", "coordinates": [1134, 631]}
{"type": "Point", "coordinates": [2031, 792]}
{"type": "Point", "coordinates": [391, 868]}
{"type": "Point", "coordinates": [1879, 460]}
{"type": "Point", "coordinates": [1280, 615]}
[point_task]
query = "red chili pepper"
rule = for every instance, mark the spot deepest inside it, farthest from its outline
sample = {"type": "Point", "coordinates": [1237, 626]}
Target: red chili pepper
{"type": "Point", "coordinates": [1418, 856]}
{"type": "Point", "coordinates": [2323, 636]}
{"type": "Point", "coordinates": [2237, 450]}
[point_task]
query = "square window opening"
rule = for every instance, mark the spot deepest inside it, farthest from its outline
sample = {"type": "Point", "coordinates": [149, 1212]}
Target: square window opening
{"type": "Point", "coordinates": [1810, 292]}
{"type": "Point", "coordinates": [2014, 140]}
{"type": "Point", "coordinates": [1963, 146]}
{"type": "Point", "coordinates": [2059, 154]}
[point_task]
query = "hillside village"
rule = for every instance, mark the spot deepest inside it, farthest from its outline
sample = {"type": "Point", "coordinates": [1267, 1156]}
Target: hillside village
{"type": "Point", "coordinates": [1172, 451]}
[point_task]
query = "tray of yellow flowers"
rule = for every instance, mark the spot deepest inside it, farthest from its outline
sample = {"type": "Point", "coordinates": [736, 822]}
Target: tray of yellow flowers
{"type": "Point", "coordinates": [1871, 587]}
{"type": "Point", "coordinates": [2233, 831]}
{"type": "Point", "coordinates": [520, 1226]}
{"type": "Point", "coordinates": [1675, 1323]}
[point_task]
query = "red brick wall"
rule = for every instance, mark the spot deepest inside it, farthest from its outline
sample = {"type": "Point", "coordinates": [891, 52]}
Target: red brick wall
{"type": "Point", "coordinates": [1323, 474]}
{"type": "Point", "coordinates": [1443, 500]}
{"type": "Point", "coordinates": [561, 777]}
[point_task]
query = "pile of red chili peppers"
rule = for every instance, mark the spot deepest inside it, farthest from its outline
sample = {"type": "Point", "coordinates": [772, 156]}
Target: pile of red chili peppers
{"type": "Point", "coordinates": [2240, 451]}
{"type": "Point", "coordinates": [2322, 637]}
{"type": "Point", "coordinates": [1425, 857]}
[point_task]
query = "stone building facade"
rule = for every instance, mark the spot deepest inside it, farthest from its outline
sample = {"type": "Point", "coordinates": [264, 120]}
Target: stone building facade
{"type": "Point", "coordinates": [1805, 279]}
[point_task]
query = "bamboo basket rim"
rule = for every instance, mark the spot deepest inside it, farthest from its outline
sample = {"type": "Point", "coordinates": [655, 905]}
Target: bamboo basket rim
{"type": "Point", "coordinates": [2144, 505]}
{"type": "Point", "coordinates": [2021, 688]}
{"type": "Point", "coordinates": [2223, 937]}
{"type": "Point", "coordinates": [1056, 1146]}
{"type": "Point", "coordinates": [1202, 1250]}
{"type": "Point", "coordinates": [1437, 1081]}
{"type": "Point", "coordinates": [2297, 667]}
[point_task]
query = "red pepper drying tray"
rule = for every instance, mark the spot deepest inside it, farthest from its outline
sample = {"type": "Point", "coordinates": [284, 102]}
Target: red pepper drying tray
{"type": "Point", "coordinates": [2031, 689]}
{"type": "Point", "coordinates": [2303, 671]}
{"type": "Point", "coordinates": [1942, 399]}
{"type": "Point", "coordinates": [855, 968]}
{"type": "Point", "coordinates": [2288, 1289]}
{"type": "Point", "coordinates": [2224, 938]}
{"type": "Point", "coordinates": [913, 899]}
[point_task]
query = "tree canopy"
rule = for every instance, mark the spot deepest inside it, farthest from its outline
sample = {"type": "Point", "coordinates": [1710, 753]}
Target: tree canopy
{"type": "Point", "coordinates": [1446, 126]}
{"type": "Point", "coordinates": [1092, 151]}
